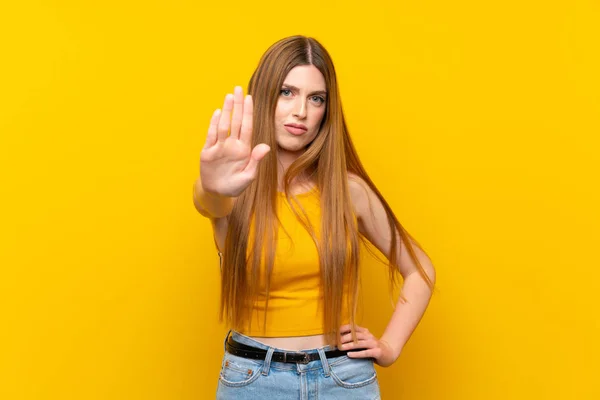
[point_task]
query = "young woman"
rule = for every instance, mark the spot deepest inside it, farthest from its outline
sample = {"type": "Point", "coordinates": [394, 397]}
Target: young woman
{"type": "Point", "coordinates": [289, 200]}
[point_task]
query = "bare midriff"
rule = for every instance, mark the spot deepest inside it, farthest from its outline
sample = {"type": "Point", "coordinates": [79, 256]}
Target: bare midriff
{"type": "Point", "coordinates": [295, 343]}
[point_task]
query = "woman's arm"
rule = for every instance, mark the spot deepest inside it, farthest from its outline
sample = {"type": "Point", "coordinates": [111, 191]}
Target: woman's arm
{"type": "Point", "coordinates": [211, 205]}
{"type": "Point", "coordinates": [373, 224]}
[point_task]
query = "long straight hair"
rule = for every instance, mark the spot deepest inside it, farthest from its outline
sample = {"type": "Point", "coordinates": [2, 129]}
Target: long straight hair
{"type": "Point", "coordinates": [328, 160]}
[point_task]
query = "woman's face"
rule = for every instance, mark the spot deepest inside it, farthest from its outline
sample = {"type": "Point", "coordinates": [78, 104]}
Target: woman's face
{"type": "Point", "coordinates": [300, 108]}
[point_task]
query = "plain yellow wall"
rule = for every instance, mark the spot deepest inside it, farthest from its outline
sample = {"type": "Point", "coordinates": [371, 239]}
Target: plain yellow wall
{"type": "Point", "coordinates": [478, 121]}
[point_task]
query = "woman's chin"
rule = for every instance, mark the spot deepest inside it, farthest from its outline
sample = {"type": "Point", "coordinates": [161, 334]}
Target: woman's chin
{"type": "Point", "coordinates": [291, 147]}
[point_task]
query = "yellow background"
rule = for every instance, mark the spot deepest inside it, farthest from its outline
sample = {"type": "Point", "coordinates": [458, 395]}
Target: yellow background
{"type": "Point", "coordinates": [479, 121]}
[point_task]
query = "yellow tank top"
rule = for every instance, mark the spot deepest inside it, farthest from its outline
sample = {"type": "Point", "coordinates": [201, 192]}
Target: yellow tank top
{"type": "Point", "coordinates": [295, 305]}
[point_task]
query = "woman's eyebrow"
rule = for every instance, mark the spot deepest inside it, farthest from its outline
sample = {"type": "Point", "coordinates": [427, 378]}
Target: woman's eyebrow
{"type": "Point", "coordinates": [323, 92]}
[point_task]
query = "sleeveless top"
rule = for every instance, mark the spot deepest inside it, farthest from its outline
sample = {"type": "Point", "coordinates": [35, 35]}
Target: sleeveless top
{"type": "Point", "coordinates": [295, 306]}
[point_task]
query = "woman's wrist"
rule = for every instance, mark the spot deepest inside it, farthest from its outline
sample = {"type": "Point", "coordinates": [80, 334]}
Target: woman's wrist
{"type": "Point", "coordinates": [213, 205]}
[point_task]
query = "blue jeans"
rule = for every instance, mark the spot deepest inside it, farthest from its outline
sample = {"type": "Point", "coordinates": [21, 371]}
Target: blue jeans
{"type": "Point", "coordinates": [327, 378]}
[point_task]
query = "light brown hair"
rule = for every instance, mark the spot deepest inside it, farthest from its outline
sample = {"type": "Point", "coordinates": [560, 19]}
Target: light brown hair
{"type": "Point", "coordinates": [327, 162]}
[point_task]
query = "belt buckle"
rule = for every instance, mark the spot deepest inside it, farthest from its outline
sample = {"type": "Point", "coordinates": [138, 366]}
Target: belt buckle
{"type": "Point", "coordinates": [305, 359]}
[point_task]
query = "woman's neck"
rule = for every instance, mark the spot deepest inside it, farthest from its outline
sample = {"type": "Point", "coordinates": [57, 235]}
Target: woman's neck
{"type": "Point", "coordinates": [286, 158]}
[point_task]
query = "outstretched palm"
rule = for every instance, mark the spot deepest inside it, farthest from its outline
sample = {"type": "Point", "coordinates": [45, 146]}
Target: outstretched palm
{"type": "Point", "coordinates": [227, 163]}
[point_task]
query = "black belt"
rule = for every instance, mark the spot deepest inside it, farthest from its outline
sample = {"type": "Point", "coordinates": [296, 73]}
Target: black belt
{"type": "Point", "coordinates": [242, 350]}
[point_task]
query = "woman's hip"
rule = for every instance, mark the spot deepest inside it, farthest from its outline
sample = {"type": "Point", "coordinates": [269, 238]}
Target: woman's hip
{"type": "Point", "coordinates": [253, 370]}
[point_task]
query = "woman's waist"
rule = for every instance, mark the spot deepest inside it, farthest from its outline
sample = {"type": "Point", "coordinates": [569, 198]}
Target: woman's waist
{"type": "Point", "coordinates": [293, 343]}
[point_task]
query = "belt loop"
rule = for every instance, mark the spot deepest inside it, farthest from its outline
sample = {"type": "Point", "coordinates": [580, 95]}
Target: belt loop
{"type": "Point", "coordinates": [225, 341]}
{"type": "Point", "coordinates": [323, 357]}
{"type": "Point", "coordinates": [267, 365]}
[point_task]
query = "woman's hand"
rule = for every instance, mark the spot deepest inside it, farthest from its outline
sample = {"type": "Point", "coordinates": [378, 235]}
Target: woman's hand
{"type": "Point", "coordinates": [227, 163]}
{"type": "Point", "coordinates": [378, 349]}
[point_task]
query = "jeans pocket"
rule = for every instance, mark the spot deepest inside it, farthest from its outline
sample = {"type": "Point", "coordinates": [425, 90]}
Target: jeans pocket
{"type": "Point", "coordinates": [353, 373]}
{"type": "Point", "coordinates": [238, 371]}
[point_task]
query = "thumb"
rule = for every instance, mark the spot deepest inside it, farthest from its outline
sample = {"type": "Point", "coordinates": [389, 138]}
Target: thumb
{"type": "Point", "coordinates": [258, 153]}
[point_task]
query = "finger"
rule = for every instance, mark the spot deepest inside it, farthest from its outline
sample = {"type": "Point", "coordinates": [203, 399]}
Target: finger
{"type": "Point", "coordinates": [258, 153]}
{"type": "Point", "coordinates": [346, 328]}
{"type": "Point", "coordinates": [225, 120]}
{"type": "Point", "coordinates": [238, 104]}
{"type": "Point", "coordinates": [211, 137]}
{"type": "Point", "coordinates": [362, 344]}
{"type": "Point", "coordinates": [369, 353]}
{"type": "Point", "coordinates": [246, 130]}
{"type": "Point", "coordinates": [347, 338]}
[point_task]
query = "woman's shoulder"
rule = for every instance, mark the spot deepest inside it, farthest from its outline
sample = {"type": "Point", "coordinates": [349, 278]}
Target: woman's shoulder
{"type": "Point", "coordinates": [359, 193]}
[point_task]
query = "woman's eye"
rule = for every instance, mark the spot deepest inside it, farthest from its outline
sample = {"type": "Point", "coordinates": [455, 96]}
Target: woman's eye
{"type": "Point", "coordinates": [318, 99]}
{"type": "Point", "coordinates": [286, 92]}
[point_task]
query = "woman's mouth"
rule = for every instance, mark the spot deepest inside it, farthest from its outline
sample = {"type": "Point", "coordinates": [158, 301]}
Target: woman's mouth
{"type": "Point", "coordinates": [295, 129]}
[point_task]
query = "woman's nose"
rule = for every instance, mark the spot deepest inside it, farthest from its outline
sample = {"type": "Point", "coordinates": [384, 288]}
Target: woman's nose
{"type": "Point", "coordinates": [300, 109]}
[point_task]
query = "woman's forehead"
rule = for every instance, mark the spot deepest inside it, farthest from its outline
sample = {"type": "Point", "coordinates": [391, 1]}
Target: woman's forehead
{"type": "Point", "coordinates": [306, 77]}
